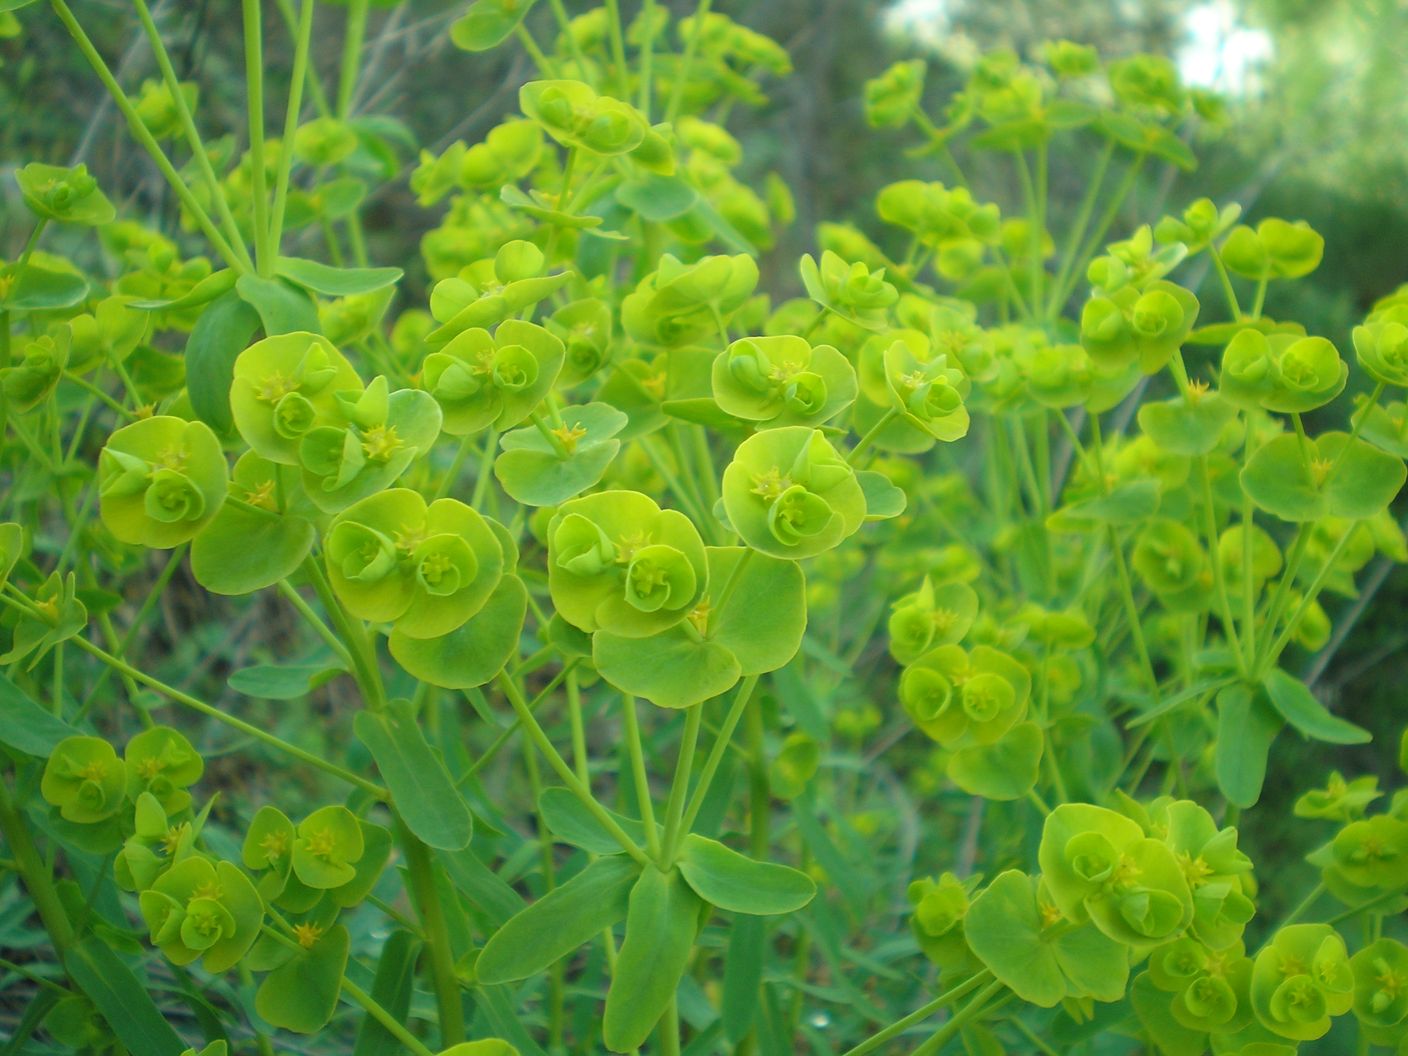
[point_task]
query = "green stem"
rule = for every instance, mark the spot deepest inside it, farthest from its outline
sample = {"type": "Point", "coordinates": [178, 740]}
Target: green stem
{"type": "Point", "coordinates": [631, 724]}
{"type": "Point", "coordinates": [254, 92]}
{"type": "Point", "coordinates": [356, 34]}
{"type": "Point", "coordinates": [1077, 234]}
{"type": "Point", "coordinates": [919, 1015]}
{"type": "Point", "coordinates": [961, 1019]}
{"type": "Point", "coordinates": [193, 138]}
{"type": "Point", "coordinates": [870, 434]}
{"type": "Point", "coordinates": [146, 139]}
{"type": "Point", "coordinates": [315, 621]}
{"type": "Point", "coordinates": [687, 63]}
{"type": "Point", "coordinates": [30, 245]}
{"type": "Point", "coordinates": [386, 1019]}
{"type": "Point", "coordinates": [1327, 567]}
{"type": "Point", "coordinates": [297, 79]}
{"type": "Point", "coordinates": [37, 878]}
{"type": "Point", "coordinates": [566, 773]}
{"type": "Point", "coordinates": [437, 934]}
{"type": "Point", "coordinates": [674, 810]}
{"type": "Point", "coordinates": [719, 749]}
{"type": "Point", "coordinates": [545, 65]}
{"type": "Point", "coordinates": [618, 47]}
{"type": "Point", "coordinates": [1226, 280]}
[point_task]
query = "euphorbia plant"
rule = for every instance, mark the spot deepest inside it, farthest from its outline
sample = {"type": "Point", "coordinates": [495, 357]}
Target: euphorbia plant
{"type": "Point", "coordinates": [604, 497]}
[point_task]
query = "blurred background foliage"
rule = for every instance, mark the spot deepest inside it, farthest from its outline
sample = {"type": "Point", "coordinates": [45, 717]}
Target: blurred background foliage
{"type": "Point", "coordinates": [1316, 113]}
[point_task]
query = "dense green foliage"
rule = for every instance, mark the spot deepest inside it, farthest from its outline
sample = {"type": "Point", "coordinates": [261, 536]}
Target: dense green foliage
{"type": "Point", "coordinates": [997, 489]}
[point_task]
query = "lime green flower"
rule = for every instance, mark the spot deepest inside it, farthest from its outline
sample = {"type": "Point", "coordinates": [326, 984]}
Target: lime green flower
{"type": "Point", "coordinates": [789, 494]}
{"type": "Point", "coordinates": [783, 380]}
{"type": "Point", "coordinates": [961, 699]}
{"type": "Point", "coordinates": [160, 481]}
{"type": "Point", "coordinates": [681, 303]}
{"type": "Point", "coordinates": [481, 380]}
{"type": "Point", "coordinates": [426, 568]}
{"type": "Point", "coordinates": [70, 196]}
{"type": "Point", "coordinates": [84, 779]}
{"type": "Point", "coordinates": [1301, 979]}
{"type": "Point", "coordinates": [160, 761]}
{"type": "Point", "coordinates": [202, 911]}
{"type": "Point", "coordinates": [1381, 983]}
{"type": "Point", "coordinates": [285, 386]}
{"type": "Point", "coordinates": [619, 563]}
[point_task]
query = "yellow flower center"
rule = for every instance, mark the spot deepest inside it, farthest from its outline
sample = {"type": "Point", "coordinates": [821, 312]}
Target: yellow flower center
{"type": "Point", "coordinates": [380, 442]}
{"type": "Point", "coordinates": [569, 435]}
{"type": "Point", "coordinates": [307, 935]}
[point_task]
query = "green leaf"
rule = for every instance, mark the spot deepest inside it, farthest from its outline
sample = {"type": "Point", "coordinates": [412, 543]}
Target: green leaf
{"type": "Point", "coordinates": [335, 282]}
{"type": "Point", "coordinates": [1004, 770]}
{"type": "Point", "coordinates": [282, 681]}
{"type": "Point", "coordinates": [1127, 503]}
{"type": "Point", "coordinates": [743, 975]}
{"type": "Point", "coordinates": [301, 994]}
{"type": "Point", "coordinates": [660, 928]}
{"type": "Point", "coordinates": [1330, 476]}
{"type": "Point", "coordinates": [282, 308]}
{"type": "Point", "coordinates": [883, 499]}
{"type": "Point", "coordinates": [1184, 427]}
{"type": "Point", "coordinates": [1295, 703]}
{"type": "Point", "coordinates": [391, 988]}
{"type": "Point", "coordinates": [669, 669]}
{"type": "Point", "coordinates": [27, 727]}
{"type": "Point", "coordinates": [203, 292]}
{"type": "Point", "coordinates": [121, 998]}
{"type": "Point", "coordinates": [487, 24]}
{"type": "Point", "coordinates": [657, 198]}
{"type": "Point", "coordinates": [222, 332]}
{"type": "Point", "coordinates": [724, 878]}
{"type": "Point", "coordinates": [42, 290]}
{"type": "Point", "coordinates": [571, 822]}
{"type": "Point", "coordinates": [1005, 929]}
{"type": "Point", "coordinates": [421, 789]}
{"type": "Point", "coordinates": [559, 922]}
{"type": "Point", "coordinates": [471, 654]}
{"type": "Point", "coordinates": [242, 551]}
{"type": "Point", "coordinates": [1246, 726]}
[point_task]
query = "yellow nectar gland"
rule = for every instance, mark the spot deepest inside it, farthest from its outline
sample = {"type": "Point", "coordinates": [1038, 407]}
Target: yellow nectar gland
{"type": "Point", "coordinates": [274, 845]}
{"type": "Point", "coordinates": [274, 387]}
{"type": "Point", "coordinates": [785, 371]}
{"type": "Point", "coordinates": [321, 844]}
{"type": "Point", "coordinates": [94, 771]}
{"type": "Point", "coordinates": [380, 442]}
{"type": "Point", "coordinates": [172, 839]}
{"type": "Point", "coordinates": [307, 935]}
{"type": "Point", "coordinates": [1050, 915]}
{"type": "Point", "coordinates": [699, 616]}
{"type": "Point", "coordinates": [434, 567]}
{"type": "Point", "coordinates": [771, 484]}
{"type": "Point", "coordinates": [943, 619]}
{"type": "Point", "coordinates": [1319, 470]}
{"type": "Point", "coordinates": [150, 767]}
{"type": "Point", "coordinates": [569, 435]}
{"type": "Point", "coordinates": [210, 889]}
{"type": "Point", "coordinates": [48, 608]}
{"type": "Point", "coordinates": [261, 495]}
{"type": "Point", "coordinates": [407, 539]}
{"type": "Point", "coordinates": [654, 384]}
{"type": "Point", "coordinates": [1195, 870]}
{"type": "Point", "coordinates": [1126, 872]}
{"type": "Point", "coordinates": [1291, 966]}
{"type": "Point", "coordinates": [173, 458]}
{"type": "Point", "coordinates": [627, 546]}
{"type": "Point", "coordinates": [144, 411]}
{"type": "Point", "coordinates": [1197, 390]}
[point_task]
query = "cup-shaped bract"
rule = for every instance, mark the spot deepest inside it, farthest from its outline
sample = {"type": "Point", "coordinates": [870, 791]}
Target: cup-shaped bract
{"type": "Point", "coordinates": [377, 436]}
{"type": "Point", "coordinates": [782, 380]}
{"type": "Point", "coordinates": [1210, 985]}
{"type": "Point", "coordinates": [937, 922]}
{"type": "Point", "coordinates": [199, 910]}
{"type": "Point", "coordinates": [491, 290]}
{"type": "Point", "coordinates": [84, 778]}
{"type": "Point", "coordinates": [1132, 326]}
{"type": "Point", "coordinates": [679, 303]}
{"type": "Point", "coordinates": [789, 494]}
{"type": "Point", "coordinates": [1371, 854]}
{"type": "Point", "coordinates": [41, 364]}
{"type": "Point", "coordinates": [1381, 347]}
{"type": "Point", "coordinates": [572, 113]}
{"type": "Point", "coordinates": [1381, 983]}
{"type": "Point", "coordinates": [327, 846]}
{"type": "Point", "coordinates": [619, 563]}
{"type": "Point", "coordinates": [892, 98]}
{"type": "Point", "coordinates": [284, 386]}
{"type": "Point", "coordinates": [584, 327]}
{"type": "Point", "coordinates": [927, 392]}
{"type": "Point", "coordinates": [1170, 560]}
{"type": "Point", "coordinates": [427, 568]}
{"type": "Point", "coordinates": [1218, 874]}
{"type": "Point", "coordinates": [160, 481]}
{"type": "Point", "coordinates": [961, 699]}
{"type": "Point", "coordinates": [1300, 979]}
{"type": "Point", "coordinates": [68, 195]}
{"type": "Point", "coordinates": [267, 850]}
{"type": "Point", "coordinates": [1100, 865]}
{"type": "Point", "coordinates": [933, 615]}
{"type": "Point", "coordinates": [1286, 373]}
{"type": "Point", "coordinates": [1148, 82]}
{"type": "Point", "coordinates": [852, 290]}
{"type": "Point", "coordinates": [161, 761]}
{"type": "Point", "coordinates": [481, 380]}
{"type": "Point", "coordinates": [1277, 249]}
